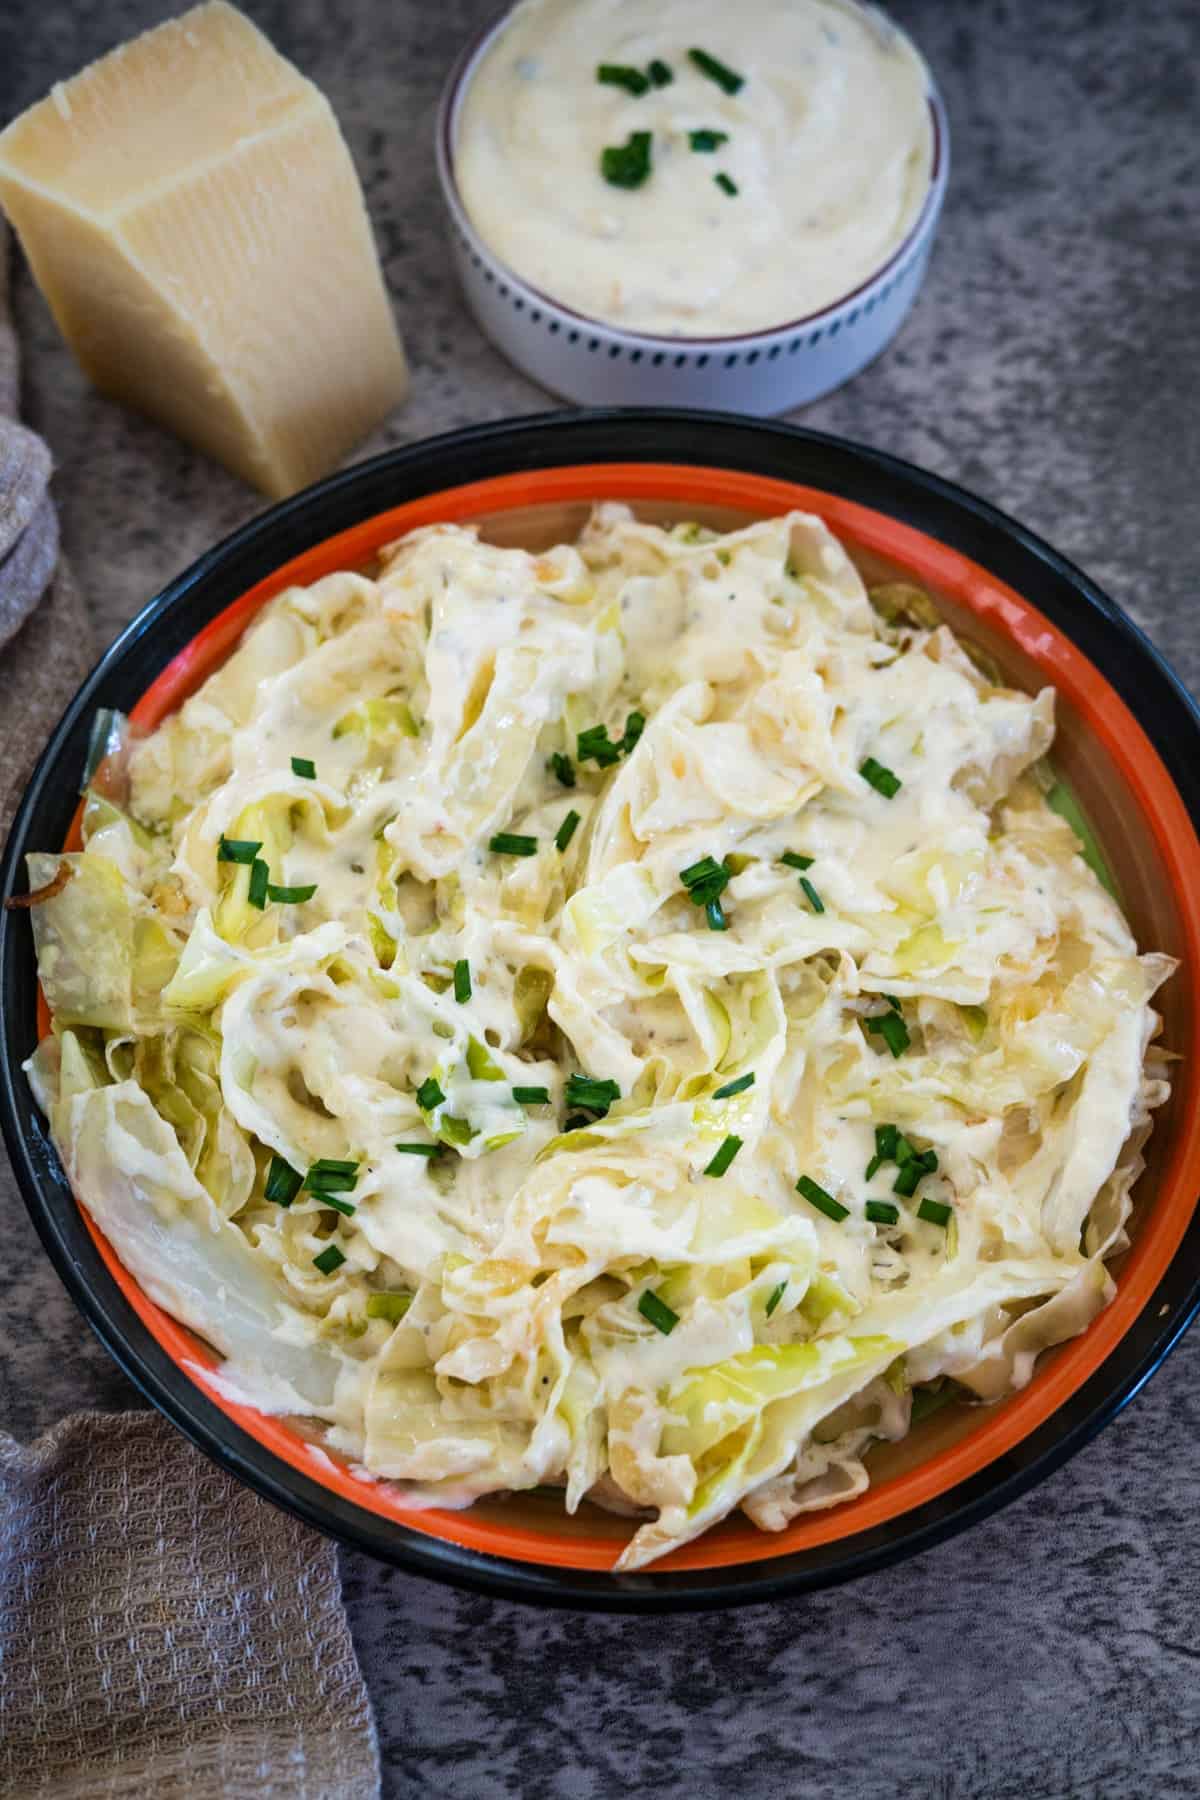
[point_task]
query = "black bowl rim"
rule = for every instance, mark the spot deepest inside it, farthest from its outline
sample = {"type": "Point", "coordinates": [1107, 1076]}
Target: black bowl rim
{"type": "Point", "coordinates": [870, 477]}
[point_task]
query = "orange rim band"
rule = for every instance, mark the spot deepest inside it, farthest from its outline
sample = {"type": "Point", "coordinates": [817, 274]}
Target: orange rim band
{"type": "Point", "coordinates": [1132, 754]}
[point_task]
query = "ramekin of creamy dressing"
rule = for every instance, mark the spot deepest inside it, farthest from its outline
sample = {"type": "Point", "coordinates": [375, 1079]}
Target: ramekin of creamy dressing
{"type": "Point", "coordinates": [683, 201]}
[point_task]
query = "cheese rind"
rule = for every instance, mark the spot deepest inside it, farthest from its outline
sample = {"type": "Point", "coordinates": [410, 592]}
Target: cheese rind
{"type": "Point", "coordinates": [190, 210]}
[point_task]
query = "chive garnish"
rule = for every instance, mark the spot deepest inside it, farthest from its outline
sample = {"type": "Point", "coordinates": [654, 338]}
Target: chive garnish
{"type": "Point", "coordinates": [906, 1181]}
{"type": "Point", "coordinates": [635, 724]}
{"type": "Point", "coordinates": [290, 896]}
{"type": "Point", "coordinates": [892, 1029]}
{"type": "Point", "coordinates": [329, 1260]}
{"type": "Point", "coordinates": [283, 1182]}
{"type": "Point", "coordinates": [882, 1212]}
{"type": "Point", "coordinates": [724, 1156]}
{"type": "Point", "coordinates": [418, 1149]}
{"type": "Point", "coordinates": [591, 1092]}
{"type": "Point", "coordinates": [660, 73]}
{"type": "Point", "coordinates": [334, 1165]}
{"type": "Point", "coordinates": [330, 1178]}
{"type": "Point", "coordinates": [302, 765]}
{"type": "Point", "coordinates": [575, 1121]}
{"type": "Point", "coordinates": [726, 183]}
{"type": "Point", "coordinates": [658, 1313]}
{"type": "Point", "coordinates": [707, 140]}
{"type": "Point", "coordinates": [564, 768]}
{"type": "Point", "coordinates": [622, 76]}
{"type": "Point", "coordinates": [237, 850]}
{"type": "Point", "coordinates": [794, 860]}
{"type": "Point", "coordinates": [627, 165]}
{"type": "Point", "coordinates": [531, 1096]}
{"type": "Point", "coordinates": [735, 1087]}
{"type": "Point", "coordinates": [811, 895]}
{"type": "Point", "coordinates": [260, 880]}
{"type": "Point", "coordinates": [719, 72]}
{"type": "Point", "coordinates": [462, 981]}
{"type": "Point", "coordinates": [595, 745]}
{"type": "Point", "coordinates": [430, 1095]}
{"type": "Point", "coordinates": [704, 881]}
{"type": "Point", "coordinates": [391, 1307]}
{"type": "Point", "coordinates": [345, 1207]}
{"type": "Point", "coordinates": [934, 1212]}
{"type": "Point", "coordinates": [824, 1203]}
{"type": "Point", "coordinates": [880, 778]}
{"type": "Point", "coordinates": [566, 830]}
{"type": "Point", "coordinates": [512, 843]}
{"type": "Point", "coordinates": [776, 1295]}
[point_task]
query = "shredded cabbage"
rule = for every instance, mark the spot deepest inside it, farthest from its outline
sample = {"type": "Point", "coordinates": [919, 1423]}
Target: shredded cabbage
{"type": "Point", "coordinates": [627, 1018]}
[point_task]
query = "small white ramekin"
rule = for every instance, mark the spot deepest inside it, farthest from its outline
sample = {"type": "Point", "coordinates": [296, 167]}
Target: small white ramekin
{"type": "Point", "coordinates": [598, 364]}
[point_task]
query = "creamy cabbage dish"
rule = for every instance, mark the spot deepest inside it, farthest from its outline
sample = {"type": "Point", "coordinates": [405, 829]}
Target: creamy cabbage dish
{"type": "Point", "coordinates": [624, 1019]}
{"type": "Point", "coordinates": [689, 168]}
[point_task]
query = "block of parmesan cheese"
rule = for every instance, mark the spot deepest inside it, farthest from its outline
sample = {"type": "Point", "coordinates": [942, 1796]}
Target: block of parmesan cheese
{"type": "Point", "coordinates": [190, 210]}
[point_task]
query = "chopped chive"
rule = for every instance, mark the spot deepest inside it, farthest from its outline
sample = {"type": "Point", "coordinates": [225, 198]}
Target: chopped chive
{"type": "Point", "coordinates": [824, 1203]}
{"type": "Point", "coordinates": [735, 1087]}
{"type": "Point", "coordinates": [658, 1313]}
{"type": "Point", "coordinates": [566, 830]}
{"type": "Point", "coordinates": [892, 1029]}
{"type": "Point", "coordinates": [320, 1185]}
{"type": "Point", "coordinates": [334, 1165]}
{"type": "Point", "coordinates": [391, 1307]}
{"type": "Point", "coordinates": [707, 140]}
{"type": "Point", "coordinates": [591, 1092]}
{"type": "Point", "coordinates": [887, 1138]}
{"type": "Point", "coordinates": [794, 860]}
{"type": "Point", "coordinates": [893, 1002]}
{"type": "Point", "coordinates": [627, 165]}
{"type": "Point", "coordinates": [564, 768]}
{"type": "Point", "coordinates": [776, 1295]}
{"type": "Point", "coordinates": [880, 778]}
{"type": "Point", "coordinates": [873, 1168]}
{"type": "Point", "coordinates": [462, 981]}
{"type": "Point", "coordinates": [283, 1182]}
{"type": "Point", "coordinates": [418, 1149]}
{"type": "Point", "coordinates": [811, 895]}
{"type": "Point", "coordinates": [345, 1207]}
{"type": "Point", "coordinates": [724, 1156]}
{"type": "Point", "coordinates": [290, 896]}
{"type": "Point", "coordinates": [726, 183]}
{"type": "Point", "coordinates": [704, 881]}
{"type": "Point", "coordinates": [531, 1096]}
{"type": "Point", "coordinates": [635, 724]}
{"type": "Point", "coordinates": [707, 869]}
{"type": "Point", "coordinates": [907, 1180]}
{"type": "Point", "coordinates": [237, 850]}
{"type": "Point", "coordinates": [720, 72]}
{"type": "Point", "coordinates": [660, 73]}
{"type": "Point", "coordinates": [329, 1260]}
{"type": "Point", "coordinates": [511, 843]}
{"type": "Point", "coordinates": [302, 765]}
{"type": "Point", "coordinates": [260, 881]}
{"type": "Point", "coordinates": [934, 1212]}
{"type": "Point", "coordinates": [595, 745]}
{"type": "Point", "coordinates": [575, 1121]}
{"type": "Point", "coordinates": [430, 1095]}
{"type": "Point", "coordinates": [622, 76]}
{"type": "Point", "coordinates": [882, 1212]}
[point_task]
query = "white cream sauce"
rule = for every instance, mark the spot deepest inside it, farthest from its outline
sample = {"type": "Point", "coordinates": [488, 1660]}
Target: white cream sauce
{"type": "Point", "coordinates": [828, 143]}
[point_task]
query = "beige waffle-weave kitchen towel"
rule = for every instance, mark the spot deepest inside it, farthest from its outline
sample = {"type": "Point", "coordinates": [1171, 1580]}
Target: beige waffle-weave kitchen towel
{"type": "Point", "coordinates": [163, 1631]}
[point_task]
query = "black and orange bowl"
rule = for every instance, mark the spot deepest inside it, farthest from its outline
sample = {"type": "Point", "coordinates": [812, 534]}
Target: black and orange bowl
{"type": "Point", "coordinates": [1128, 745]}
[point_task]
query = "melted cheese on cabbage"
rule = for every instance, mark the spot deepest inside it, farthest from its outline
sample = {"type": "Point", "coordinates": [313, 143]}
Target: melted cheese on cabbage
{"type": "Point", "coordinates": [563, 1292]}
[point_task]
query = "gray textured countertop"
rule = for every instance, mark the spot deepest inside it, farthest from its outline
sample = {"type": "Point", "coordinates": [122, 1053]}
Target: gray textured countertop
{"type": "Point", "coordinates": [1051, 364]}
